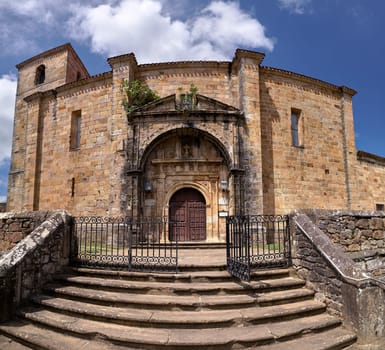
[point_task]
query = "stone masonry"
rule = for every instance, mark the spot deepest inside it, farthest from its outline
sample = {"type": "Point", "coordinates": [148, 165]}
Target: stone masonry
{"type": "Point", "coordinates": [240, 155]}
{"type": "Point", "coordinates": [350, 290]}
{"type": "Point", "coordinates": [15, 226]}
{"type": "Point", "coordinates": [31, 263]}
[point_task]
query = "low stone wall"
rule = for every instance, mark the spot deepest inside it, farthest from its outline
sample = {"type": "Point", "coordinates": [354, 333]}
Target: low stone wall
{"type": "Point", "coordinates": [15, 226]}
{"type": "Point", "coordinates": [361, 234]}
{"type": "Point", "coordinates": [354, 230]}
{"type": "Point", "coordinates": [32, 262]}
{"type": "Point", "coordinates": [341, 284]}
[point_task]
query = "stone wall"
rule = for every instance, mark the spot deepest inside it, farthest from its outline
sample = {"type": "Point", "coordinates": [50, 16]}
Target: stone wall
{"type": "Point", "coordinates": [341, 284]}
{"type": "Point", "coordinates": [322, 171]}
{"type": "Point", "coordinates": [355, 231]}
{"type": "Point", "coordinates": [32, 262]}
{"type": "Point", "coordinates": [370, 171]}
{"type": "Point", "coordinates": [3, 207]}
{"type": "Point", "coordinates": [361, 234]}
{"type": "Point", "coordinates": [311, 174]}
{"type": "Point", "coordinates": [15, 226]}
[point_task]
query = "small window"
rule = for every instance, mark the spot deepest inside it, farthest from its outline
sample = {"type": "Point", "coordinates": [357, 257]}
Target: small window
{"type": "Point", "coordinates": [296, 128]}
{"type": "Point", "coordinates": [40, 75]}
{"type": "Point", "coordinates": [73, 187]}
{"type": "Point", "coordinates": [379, 207]}
{"type": "Point", "coordinates": [76, 118]}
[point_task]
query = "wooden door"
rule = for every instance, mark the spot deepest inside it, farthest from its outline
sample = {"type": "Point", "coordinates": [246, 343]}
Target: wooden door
{"type": "Point", "coordinates": [187, 215]}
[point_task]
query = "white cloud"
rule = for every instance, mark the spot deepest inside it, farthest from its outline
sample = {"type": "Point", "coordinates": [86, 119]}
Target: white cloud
{"type": "Point", "coordinates": [3, 199]}
{"type": "Point", "coordinates": [295, 6]}
{"type": "Point", "coordinates": [142, 27]}
{"type": "Point", "coordinates": [26, 24]}
{"type": "Point", "coordinates": [7, 103]}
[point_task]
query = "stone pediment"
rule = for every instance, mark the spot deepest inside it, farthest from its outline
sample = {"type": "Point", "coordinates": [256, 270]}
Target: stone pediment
{"type": "Point", "coordinates": [186, 103]}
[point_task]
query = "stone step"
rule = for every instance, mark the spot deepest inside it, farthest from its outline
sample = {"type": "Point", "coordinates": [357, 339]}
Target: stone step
{"type": "Point", "coordinates": [284, 297]}
{"type": "Point", "coordinates": [181, 288]}
{"type": "Point", "coordinates": [178, 319]}
{"type": "Point", "coordinates": [331, 339]}
{"type": "Point", "coordinates": [177, 302]}
{"type": "Point", "coordinates": [199, 275]}
{"type": "Point", "coordinates": [35, 337]}
{"type": "Point", "coordinates": [7, 343]}
{"type": "Point", "coordinates": [151, 301]}
{"type": "Point", "coordinates": [184, 338]}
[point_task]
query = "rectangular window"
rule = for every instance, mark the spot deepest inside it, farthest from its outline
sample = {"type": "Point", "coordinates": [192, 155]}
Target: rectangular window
{"type": "Point", "coordinates": [296, 128]}
{"type": "Point", "coordinates": [73, 187]}
{"type": "Point", "coordinates": [76, 119]}
{"type": "Point", "coordinates": [379, 207]}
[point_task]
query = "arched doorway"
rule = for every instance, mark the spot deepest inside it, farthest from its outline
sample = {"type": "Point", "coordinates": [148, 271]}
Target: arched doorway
{"type": "Point", "coordinates": [187, 215]}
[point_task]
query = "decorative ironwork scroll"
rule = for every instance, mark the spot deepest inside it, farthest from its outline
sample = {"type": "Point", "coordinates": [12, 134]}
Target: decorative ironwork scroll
{"type": "Point", "coordinates": [123, 242]}
{"type": "Point", "coordinates": [257, 241]}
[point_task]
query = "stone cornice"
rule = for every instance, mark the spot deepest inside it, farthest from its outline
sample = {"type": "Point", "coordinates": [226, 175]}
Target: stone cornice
{"type": "Point", "coordinates": [35, 96]}
{"type": "Point", "coordinates": [129, 58]}
{"type": "Point", "coordinates": [85, 82]}
{"type": "Point", "coordinates": [308, 80]}
{"type": "Point", "coordinates": [184, 65]}
{"type": "Point", "coordinates": [370, 158]}
{"type": "Point", "coordinates": [65, 47]}
{"type": "Point", "coordinates": [51, 52]}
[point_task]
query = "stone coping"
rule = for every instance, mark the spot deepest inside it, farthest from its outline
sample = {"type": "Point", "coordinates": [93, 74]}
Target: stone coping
{"type": "Point", "coordinates": [36, 238]}
{"type": "Point", "coordinates": [315, 213]}
{"type": "Point", "coordinates": [339, 260]}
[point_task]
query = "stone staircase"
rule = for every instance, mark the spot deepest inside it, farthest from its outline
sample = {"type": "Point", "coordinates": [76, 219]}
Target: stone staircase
{"type": "Point", "coordinates": [202, 307]}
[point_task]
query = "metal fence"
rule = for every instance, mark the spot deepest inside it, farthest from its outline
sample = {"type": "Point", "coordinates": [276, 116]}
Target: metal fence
{"type": "Point", "coordinates": [125, 242]}
{"type": "Point", "coordinates": [257, 241]}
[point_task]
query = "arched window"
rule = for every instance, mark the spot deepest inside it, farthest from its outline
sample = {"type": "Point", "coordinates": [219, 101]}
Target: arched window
{"type": "Point", "coordinates": [40, 74]}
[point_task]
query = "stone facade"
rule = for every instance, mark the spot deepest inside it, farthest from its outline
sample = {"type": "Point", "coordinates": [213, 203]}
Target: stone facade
{"type": "Point", "coordinates": [234, 146]}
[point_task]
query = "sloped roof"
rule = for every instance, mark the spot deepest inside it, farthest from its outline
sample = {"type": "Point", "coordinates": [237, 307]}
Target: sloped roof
{"type": "Point", "coordinates": [172, 104]}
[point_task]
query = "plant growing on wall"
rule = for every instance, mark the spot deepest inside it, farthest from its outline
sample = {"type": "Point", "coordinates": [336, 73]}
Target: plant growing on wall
{"type": "Point", "coordinates": [136, 94]}
{"type": "Point", "coordinates": [188, 100]}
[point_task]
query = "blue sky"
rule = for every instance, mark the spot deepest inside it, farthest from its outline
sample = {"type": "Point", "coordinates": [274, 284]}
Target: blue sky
{"type": "Point", "coordinates": [338, 41]}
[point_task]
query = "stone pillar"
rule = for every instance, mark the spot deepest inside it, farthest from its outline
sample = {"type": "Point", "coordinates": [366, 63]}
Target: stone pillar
{"type": "Point", "coordinates": [32, 153]}
{"type": "Point", "coordinates": [247, 64]}
{"type": "Point", "coordinates": [120, 203]}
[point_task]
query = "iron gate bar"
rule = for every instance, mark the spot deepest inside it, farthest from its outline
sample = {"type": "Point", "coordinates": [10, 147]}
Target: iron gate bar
{"type": "Point", "coordinates": [257, 241]}
{"type": "Point", "coordinates": [124, 242]}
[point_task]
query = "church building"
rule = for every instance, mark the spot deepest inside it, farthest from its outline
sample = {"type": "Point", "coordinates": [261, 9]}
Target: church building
{"type": "Point", "coordinates": [220, 138]}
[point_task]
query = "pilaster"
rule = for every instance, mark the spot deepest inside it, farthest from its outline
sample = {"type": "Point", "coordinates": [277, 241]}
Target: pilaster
{"type": "Point", "coordinates": [246, 64]}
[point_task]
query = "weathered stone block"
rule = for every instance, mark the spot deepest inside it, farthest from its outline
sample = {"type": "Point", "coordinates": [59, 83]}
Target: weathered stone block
{"type": "Point", "coordinates": [362, 223]}
{"type": "Point", "coordinates": [379, 234]}
{"type": "Point", "coordinates": [367, 233]}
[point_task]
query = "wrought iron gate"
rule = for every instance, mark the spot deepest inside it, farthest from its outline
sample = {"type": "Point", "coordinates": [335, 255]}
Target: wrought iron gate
{"type": "Point", "coordinates": [257, 241]}
{"type": "Point", "coordinates": [125, 242]}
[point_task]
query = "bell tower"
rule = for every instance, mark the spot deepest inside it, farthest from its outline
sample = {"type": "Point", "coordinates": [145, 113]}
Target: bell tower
{"type": "Point", "coordinates": [38, 77]}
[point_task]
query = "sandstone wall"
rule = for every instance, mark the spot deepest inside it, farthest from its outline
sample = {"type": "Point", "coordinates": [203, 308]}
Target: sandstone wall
{"type": "Point", "coordinates": [77, 179]}
{"type": "Point", "coordinates": [62, 65]}
{"type": "Point", "coordinates": [313, 174]}
{"type": "Point", "coordinates": [272, 175]}
{"type": "Point", "coordinates": [370, 171]}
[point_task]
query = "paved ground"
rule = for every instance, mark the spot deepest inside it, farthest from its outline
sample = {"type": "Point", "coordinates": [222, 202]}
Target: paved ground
{"type": "Point", "coordinates": [202, 257]}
